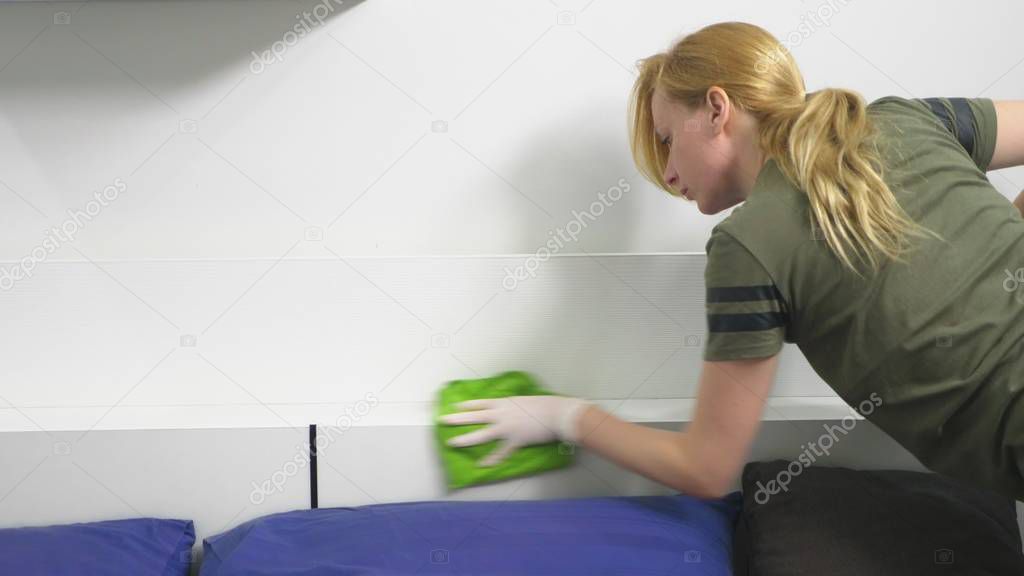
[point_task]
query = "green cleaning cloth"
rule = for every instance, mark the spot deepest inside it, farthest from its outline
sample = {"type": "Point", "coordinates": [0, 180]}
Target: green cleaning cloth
{"type": "Point", "coordinates": [460, 462]}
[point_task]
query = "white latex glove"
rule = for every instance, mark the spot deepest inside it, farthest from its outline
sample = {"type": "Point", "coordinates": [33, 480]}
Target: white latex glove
{"type": "Point", "coordinates": [520, 420]}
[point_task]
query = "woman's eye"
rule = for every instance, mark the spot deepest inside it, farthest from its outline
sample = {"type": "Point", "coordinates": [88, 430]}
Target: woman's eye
{"type": "Point", "coordinates": [664, 141]}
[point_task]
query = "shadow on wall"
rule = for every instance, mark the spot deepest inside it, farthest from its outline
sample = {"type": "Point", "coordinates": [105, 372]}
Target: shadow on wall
{"type": "Point", "coordinates": [190, 42]}
{"type": "Point", "coordinates": [164, 49]}
{"type": "Point", "coordinates": [583, 310]}
{"type": "Point", "coordinates": [593, 305]}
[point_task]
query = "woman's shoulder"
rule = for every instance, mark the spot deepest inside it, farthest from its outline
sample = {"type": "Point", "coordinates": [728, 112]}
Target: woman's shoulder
{"type": "Point", "coordinates": [890, 99]}
{"type": "Point", "coordinates": [898, 105]}
{"type": "Point", "coordinates": [773, 221]}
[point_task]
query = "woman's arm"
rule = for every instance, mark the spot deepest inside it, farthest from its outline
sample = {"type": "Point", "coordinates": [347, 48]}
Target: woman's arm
{"type": "Point", "coordinates": [1009, 149]}
{"type": "Point", "coordinates": [704, 459]}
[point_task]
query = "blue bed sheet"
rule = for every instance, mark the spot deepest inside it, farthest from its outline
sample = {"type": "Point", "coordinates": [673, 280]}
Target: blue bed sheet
{"type": "Point", "coordinates": [132, 547]}
{"type": "Point", "coordinates": [635, 535]}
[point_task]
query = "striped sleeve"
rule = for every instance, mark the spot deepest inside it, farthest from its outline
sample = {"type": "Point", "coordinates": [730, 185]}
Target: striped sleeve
{"type": "Point", "coordinates": [747, 316]}
{"type": "Point", "coordinates": [971, 121]}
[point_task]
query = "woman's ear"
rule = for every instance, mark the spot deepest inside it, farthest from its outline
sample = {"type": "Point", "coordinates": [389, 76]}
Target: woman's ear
{"type": "Point", "coordinates": [718, 109]}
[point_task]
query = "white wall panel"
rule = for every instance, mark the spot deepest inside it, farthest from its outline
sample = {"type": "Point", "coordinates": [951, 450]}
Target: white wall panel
{"type": "Point", "coordinates": [124, 338]}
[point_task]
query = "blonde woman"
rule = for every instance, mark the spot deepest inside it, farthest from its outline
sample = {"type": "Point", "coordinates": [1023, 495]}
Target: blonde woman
{"type": "Point", "coordinates": [868, 235]}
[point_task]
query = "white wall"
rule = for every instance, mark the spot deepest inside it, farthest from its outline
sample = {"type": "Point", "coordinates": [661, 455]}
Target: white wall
{"type": "Point", "coordinates": [290, 237]}
{"type": "Point", "coordinates": [303, 225]}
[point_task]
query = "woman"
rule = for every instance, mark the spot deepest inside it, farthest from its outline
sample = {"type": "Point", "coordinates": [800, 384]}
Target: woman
{"type": "Point", "coordinates": [869, 236]}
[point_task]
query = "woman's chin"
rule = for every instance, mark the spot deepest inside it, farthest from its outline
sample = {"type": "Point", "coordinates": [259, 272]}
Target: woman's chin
{"type": "Point", "coordinates": [707, 210]}
{"type": "Point", "coordinates": [698, 204]}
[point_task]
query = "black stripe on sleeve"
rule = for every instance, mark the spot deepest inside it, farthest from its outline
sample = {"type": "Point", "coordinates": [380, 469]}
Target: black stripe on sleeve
{"type": "Point", "coordinates": [745, 322]}
{"type": "Point", "coordinates": [751, 320]}
{"type": "Point", "coordinates": [964, 123]}
{"type": "Point", "coordinates": [960, 124]}
{"type": "Point", "coordinates": [939, 110]}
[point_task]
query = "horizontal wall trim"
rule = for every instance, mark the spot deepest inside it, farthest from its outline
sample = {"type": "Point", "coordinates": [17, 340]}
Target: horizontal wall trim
{"type": "Point", "coordinates": [384, 414]}
{"type": "Point", "coordinates": [356, 257]}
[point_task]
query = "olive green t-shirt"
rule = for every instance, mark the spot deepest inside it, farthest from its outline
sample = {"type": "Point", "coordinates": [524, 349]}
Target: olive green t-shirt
{"type": "Point", "coordinates": [939, 340]}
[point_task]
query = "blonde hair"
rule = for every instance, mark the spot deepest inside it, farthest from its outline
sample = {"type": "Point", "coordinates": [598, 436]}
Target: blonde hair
{"type": "Point", "coordinates": [823, 142]}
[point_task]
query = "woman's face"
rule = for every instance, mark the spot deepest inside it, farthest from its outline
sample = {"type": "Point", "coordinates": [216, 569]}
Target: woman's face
{"type": "Point", "coordinates": [711, 151]}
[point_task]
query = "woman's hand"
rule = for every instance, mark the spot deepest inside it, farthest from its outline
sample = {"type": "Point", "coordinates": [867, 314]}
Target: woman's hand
{"type": "Point", "coordinates": [519, 420]}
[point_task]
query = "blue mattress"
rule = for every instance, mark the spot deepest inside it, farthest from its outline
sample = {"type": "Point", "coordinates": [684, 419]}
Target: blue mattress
{"type": "Point", "coordinates": [636, 535]}
{"type": "Point", "coordinates": [132, 547]}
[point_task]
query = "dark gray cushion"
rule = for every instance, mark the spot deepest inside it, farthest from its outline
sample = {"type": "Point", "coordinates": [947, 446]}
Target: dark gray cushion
{"type": "Point", "coordinates": [837, 521]}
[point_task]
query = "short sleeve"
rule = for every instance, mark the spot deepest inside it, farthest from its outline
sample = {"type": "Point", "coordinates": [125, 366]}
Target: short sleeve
{"type": "Point", "coordinates": [747, 317]}
{"type": "Point", "coordinates": [971, 121]}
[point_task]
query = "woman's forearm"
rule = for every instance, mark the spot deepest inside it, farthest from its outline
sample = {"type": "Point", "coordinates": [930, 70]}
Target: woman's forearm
{"type": "Point", "coordinates": [661, 455]}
